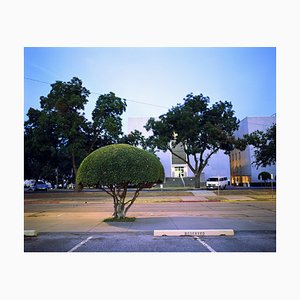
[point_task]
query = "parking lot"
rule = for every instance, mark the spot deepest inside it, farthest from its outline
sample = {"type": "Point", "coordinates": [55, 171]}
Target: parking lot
{"type": "Point", "coordinates": [66, 225]}
{"type": "Point", "coordinates": [242, 241]}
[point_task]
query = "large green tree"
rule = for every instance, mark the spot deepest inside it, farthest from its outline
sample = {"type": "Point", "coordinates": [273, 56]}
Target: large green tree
{"type": "Point", "coordinates": [106, 125]}
{"type": "Point", "coordinates": [60, 126]}
{"type": "Point", "coordinates": [58, 136]}
{"type": "Point", "coordinates": [41, 145]}
{"type": "Point", "coordinates": [265, 146]}
{"type": "Point", "coordinates": [200, 129]}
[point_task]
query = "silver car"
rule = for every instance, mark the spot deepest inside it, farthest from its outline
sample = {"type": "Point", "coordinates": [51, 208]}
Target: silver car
{"type": "Point", "coordinates": [40, 186]}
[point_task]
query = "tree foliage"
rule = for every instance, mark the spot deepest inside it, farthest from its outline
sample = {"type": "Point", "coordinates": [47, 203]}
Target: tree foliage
{"type": "Point", "coordinates": [58, 136]}
{"type": "Point", "coordinates": [264, 176]}
{"type": "Point", "coordinates": [265, 146]}
{"type": "Point", "coordinates": [136, 138]}
{"type": "Point", "coordinates": [200, 129]}
{"type": "Point", "coordinates": [106, 126]}
{"type": "Point", "coordinates": [116, 167]}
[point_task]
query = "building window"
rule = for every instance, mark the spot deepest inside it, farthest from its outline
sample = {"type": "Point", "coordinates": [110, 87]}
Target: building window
{"type": "Point", "coordinates": [179, 171]}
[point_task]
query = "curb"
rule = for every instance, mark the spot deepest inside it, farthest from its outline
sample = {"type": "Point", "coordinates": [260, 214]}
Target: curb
{"type": "Point", "coordinates": [194, 232]}
{"type": "Point", "coordinates": [30, 233]}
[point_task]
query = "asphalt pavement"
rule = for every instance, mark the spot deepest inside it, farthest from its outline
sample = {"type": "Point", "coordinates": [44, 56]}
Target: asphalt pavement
{"type": "Point", "coordinates": [79, 227]}
{"type": "Point", "coordinates": [144, 241]}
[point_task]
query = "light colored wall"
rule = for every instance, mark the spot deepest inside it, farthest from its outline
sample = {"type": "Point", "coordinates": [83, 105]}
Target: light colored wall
{"type": "Point", "coordinates": [165, 158]}
{"type": "Point", "coordinates": [247, 126]}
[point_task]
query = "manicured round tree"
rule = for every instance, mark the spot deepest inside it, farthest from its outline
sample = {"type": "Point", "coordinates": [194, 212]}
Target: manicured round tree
{"type": "Point", "coordinates": [115, 167]}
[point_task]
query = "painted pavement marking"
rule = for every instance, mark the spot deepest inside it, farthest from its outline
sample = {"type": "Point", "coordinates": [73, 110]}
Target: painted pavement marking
{"type": "Point", "coordinates": [80, 244]}
{"type": "Point", "coordinates": [205, 244]}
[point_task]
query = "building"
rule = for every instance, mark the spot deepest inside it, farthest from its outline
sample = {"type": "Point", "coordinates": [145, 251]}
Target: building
{"type": "Point", "coordinates": [242, 169]}
{"type": "Point", "coordinates": [176, 171]}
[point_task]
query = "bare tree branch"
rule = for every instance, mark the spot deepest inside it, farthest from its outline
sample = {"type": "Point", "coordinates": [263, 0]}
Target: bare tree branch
{"type": "Point", "coordinates": [137, 192]}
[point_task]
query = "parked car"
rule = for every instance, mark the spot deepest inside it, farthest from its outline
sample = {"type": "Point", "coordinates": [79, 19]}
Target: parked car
{"type": "Point", "coordinates": [49, 185]}
{"type": "Point", "coordinates": [40, 186]}
{"type": "Point", "coordinates": [216, 182]}
{"type": "Point", "coordinates": [29, 183]}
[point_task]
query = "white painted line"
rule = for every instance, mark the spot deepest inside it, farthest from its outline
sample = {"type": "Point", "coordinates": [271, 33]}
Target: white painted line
{"type": "Point", "coordinates": [194, 232]}
{"type": "Point", "coordinates": [30, 232]}
{"type": "Point", "coordinates": [80, 244]}
{"type": "Point", "coordinates": [60, 215]}
{"type": "Point", "coordinates": [205, 245]}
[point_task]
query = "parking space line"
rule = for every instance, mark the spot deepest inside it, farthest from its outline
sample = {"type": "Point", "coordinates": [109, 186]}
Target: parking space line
{"type": "Point", "coordinates": [80, 244]}
{"type": "Point", "coordinates": [205, 244]}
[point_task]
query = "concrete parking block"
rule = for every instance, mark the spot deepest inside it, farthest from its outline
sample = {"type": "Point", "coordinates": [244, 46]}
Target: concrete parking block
{"type": "Point", "coordinates": [194, 232]}
{"type": "Point", "coordinates": [30, 232]}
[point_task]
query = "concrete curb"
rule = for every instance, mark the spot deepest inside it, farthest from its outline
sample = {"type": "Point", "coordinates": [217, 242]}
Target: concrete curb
{"type": "Point", "coordinates": [30, 233]}
{"type": "Point", "coordinates": [194, 232]}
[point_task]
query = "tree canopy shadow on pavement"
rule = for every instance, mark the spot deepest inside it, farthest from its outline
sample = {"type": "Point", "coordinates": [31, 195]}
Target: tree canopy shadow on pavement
{"type": "Point", "coordinates": [235, 222]}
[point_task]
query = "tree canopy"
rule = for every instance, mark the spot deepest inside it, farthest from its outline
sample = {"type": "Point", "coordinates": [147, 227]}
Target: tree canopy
{"type": "Point", "coordinates": [265, 146]}
{"type": "Point", "coordinates": [116, 167]}
{"type": "Point", "coordinates": [106, 125]}
{"type": "Point", "coordinates": [200, 129]}
{"type": "Point", "coordinates": [58, 136]}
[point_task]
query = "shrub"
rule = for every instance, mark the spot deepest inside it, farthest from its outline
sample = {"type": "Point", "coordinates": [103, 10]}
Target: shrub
{"type": "Point", "coordinates": [115, 167]}
{"type": "Point", "coordinates": [264, 176]}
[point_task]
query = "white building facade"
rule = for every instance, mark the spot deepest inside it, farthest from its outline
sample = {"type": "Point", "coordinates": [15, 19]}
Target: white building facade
{"type": "Point", "coordinates": [242, 169]}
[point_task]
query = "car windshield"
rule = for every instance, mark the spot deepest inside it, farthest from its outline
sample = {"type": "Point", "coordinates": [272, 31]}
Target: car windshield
{"type": "Point", "coordinates": [212, 179]}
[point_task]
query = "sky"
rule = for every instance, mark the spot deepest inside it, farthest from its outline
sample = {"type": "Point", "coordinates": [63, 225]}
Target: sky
{"type": "Point", "coordinates": [153, 79]}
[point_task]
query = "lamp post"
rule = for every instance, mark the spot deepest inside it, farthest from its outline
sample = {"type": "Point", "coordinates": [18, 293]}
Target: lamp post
{"type": "Point", "coordinates": [272, 185]}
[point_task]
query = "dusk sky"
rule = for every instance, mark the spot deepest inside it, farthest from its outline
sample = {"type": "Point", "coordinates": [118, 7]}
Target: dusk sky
{"type": "Point", "coordinates": [160, 77]}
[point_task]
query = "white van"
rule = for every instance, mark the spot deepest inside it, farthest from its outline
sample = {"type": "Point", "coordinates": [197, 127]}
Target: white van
{"type": "Point", "coordinates": [217, 182]}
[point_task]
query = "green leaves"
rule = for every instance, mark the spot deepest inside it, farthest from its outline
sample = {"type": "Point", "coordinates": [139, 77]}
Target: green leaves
{"type": "Point", "coordinates": [118, 165]}
{"type": "Point", "coordinates": [60, 136]}
{"type": "Point", "coordinates": [199, 128]}
{"type": "Point", "coordinates": [107, 123]}
{"type": "Point", "coordinates": [115, 167]}
{"type": "Point", "coordinates": [265, 146]}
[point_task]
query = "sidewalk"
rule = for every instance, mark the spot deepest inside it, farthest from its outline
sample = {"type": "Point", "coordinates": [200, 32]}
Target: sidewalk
{"type": "Point", "coordinates": [205, 195]}
{"type": "Point", "coordinates": [205, 211]}
{"type": "Point", "coordinates": [93, 222]}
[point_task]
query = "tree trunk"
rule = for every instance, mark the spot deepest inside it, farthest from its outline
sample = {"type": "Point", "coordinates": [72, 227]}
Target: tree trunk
{"type": "Point", "coordinates": [119, 211]}
{"type": "Point", "coordinates": [120, 205]}
{"type": "Point", "coordinates": [78, 187]}
{"type": "Point", "coordinates": [74, 164]}
{"type": "Point", "coordinates": [197, 180]}
{"type": "Point", "coordinates": [119, 208]}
